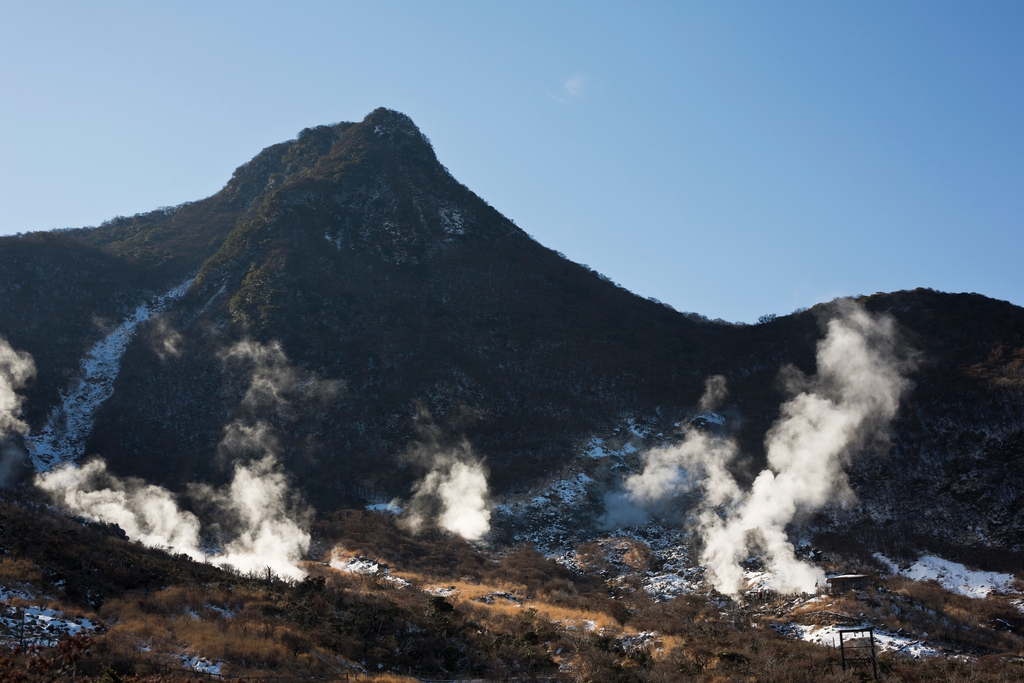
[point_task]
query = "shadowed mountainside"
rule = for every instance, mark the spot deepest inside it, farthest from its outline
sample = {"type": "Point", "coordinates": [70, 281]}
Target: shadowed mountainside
{"type": "Point", "coordinates": [357, 252]}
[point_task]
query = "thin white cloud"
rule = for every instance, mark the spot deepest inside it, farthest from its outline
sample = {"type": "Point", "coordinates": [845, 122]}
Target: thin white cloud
{"type": "Point", "coordinates": [573, 88]}
{"type": "Point", "coordinates": [576, 85]}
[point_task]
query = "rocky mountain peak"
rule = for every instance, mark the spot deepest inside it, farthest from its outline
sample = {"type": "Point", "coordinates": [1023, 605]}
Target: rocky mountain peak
{"type": "Point", "coordinates": [394, 126]}
{"type": "Point", "coordinates": [373, 187]}
{"type": "Point", "coordinates": [333, 152]}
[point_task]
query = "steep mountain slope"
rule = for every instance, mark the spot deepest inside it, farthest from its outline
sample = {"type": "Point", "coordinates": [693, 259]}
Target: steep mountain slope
{"type": "Point", "coordinates": [62, 291]}
{"type": "Point", "coordinates": [387, 304]}
{"type": "Point", "coordinates": [374, 267]}
{"type": "Point", "coordinates": [955, 472]}
{"type": "Point", "coordinates": [58, 297]}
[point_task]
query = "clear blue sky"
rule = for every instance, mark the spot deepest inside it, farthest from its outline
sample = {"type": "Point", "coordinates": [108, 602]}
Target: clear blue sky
{"type": "Point", "coordinates": [732, 159]}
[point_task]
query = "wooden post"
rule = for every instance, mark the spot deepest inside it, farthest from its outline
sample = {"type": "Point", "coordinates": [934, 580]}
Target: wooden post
{"type": "Point", "coordinates": [855, 656]}
{"type": "Point", "coordinates": [874, 661]}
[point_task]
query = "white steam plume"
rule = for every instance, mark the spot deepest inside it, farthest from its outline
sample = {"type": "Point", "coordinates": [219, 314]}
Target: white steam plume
{"type": "Point", "coordinates": [243, 440]}
{"type": "Point", "coordinates": [854, 395]}
{"type": "Point", "coordinates": [271, 536]}
{"type": "Point", "coordinates": [274, 382]}
{"type": "Point", "coordinates": [257, 518]}
{"type": "Point", "coordinates": [262, 526]}
{"type": "Point", "coordinates": [16, 369]}
{"type": "Point", "coordinates": [850, 401]}
{"type": "Point", "coordinates": [454, 492]}
{"type": "Point", "coordinates": [698, 464]}
{"type": "Point", "coordinates": [715, 392]}
{"type": "Point", "coordinates": [165, 341]}
{"type": "Point", "coordinates": [147, 513]}
{"type": "Point", "coordinates": [266, 528]}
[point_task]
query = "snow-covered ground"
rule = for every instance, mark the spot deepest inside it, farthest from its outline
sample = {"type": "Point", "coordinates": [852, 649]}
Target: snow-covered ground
{"type": "Point", "coordinates": [390, 508]}
{"type": "Point", "coordinates": [599, 448]}
{"type": "Point", "coordinates": [559, 517]}
{"type": "Point", "coordinates": [7, 593]}
{"type": "Point", "coordinates": [367, 567]}
{"type": "Point", "coordinates": [952, 576]}
{"type": "Point", "coordinates": [501, 597]}
{"type": "Point", "coordinates": [63, 438]}
{"type": "Point", "coordinates": [570, 624]}
{"type": "Point", "coordinates": [201, 664]}
{"type": "Point", "coordinates": [666, 586]}
{"type": "Point", "coordinates": [35, 625]}
{"type": "Point", "coordinates": [884, 641]}
{"type": "Point", "coordinates": [708, 418]}
{"type": "Point", "coordinates": [644, 639]}
{"type": "Point", "coordinates": [223, 611]}
{"type": "Point", "coordinates": [569, 491]}
{"type": "Point", "coordinates": [357, 565]}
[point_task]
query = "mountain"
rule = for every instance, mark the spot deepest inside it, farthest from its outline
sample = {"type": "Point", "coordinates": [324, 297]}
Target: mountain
{"type": "Point", "coordinates": [385, 305]}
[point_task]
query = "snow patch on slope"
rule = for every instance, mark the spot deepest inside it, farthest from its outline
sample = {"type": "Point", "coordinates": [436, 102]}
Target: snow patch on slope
{"type": "Point", "coordinates": [33, 625]}
{"type": "Point", "coordinates": [62, 439]}
{"type": "Point", "coordinates": [201, 664]}
{"type": "Point", "coordinates": [708, 419]}
{"type": "Point", "coordinates": [884, 641]}
{"type": "Point", "coordinates": [952, 576]}
{"type": "Point", "coordinates": [569, 491]}
{"type": "Point", "coordinates": [367, 567]}
{"type": "Point", "coordinates": [391, 508]}
{"type": "Point", "coordinates": [666, 585]}
{"type": "Point", "coordinates": [599, 448]}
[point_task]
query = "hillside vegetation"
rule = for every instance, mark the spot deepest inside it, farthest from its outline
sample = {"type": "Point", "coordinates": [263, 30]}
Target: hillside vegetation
{"type": "Point", "coordinates": [355, 325]}
{"type": "Point", "coordinates": [511, 615]}
{"type": "Point", "coordinates": [354, 250]}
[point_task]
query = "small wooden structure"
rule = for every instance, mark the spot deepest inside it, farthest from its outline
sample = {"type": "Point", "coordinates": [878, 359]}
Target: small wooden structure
{"type": "Point", "coordinates": [848, 582]}
{"type": "Point", "coordinates": [857, 646]}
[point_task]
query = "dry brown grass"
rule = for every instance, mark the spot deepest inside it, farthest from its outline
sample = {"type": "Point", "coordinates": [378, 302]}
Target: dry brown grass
{"type": "Point", "coordinates": [466, 595]}
{"type": "Point", "coordinates": [591, 557]}
{"type": "Point", "coordinates": [593, 621]}
{"type": "Point", "coordinates": [561, 619]}
{"type": "Point", "coordinates": [18, 570]}
{"type": "Point", "coordinates": [180, 620]}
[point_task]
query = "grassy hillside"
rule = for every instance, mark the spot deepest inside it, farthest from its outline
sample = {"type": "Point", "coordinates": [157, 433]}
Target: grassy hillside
{"type": "Point", "coordinates": [440, 609]}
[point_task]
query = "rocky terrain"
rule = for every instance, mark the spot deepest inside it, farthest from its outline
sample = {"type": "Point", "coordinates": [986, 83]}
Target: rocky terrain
{"type": "Point", "coordinates": [347, 335]}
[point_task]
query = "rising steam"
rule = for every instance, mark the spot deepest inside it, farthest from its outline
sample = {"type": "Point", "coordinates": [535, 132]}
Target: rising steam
{"type": "Point", "coordinates": [671, 474]}
{"type": "Point", "coordinates": [263, 528]}
{"type": "Point", "coordinates": [148, 514]}
{"type": "Point", "coordinates": [715, 391]}
{"type": "Point", "coordinates": [16, 369]}
{"type": "Point", "coordinates": [274, 383]}
{"type": "Point", "coordinates": [847, 404]}
{"type": "Point", "coordinates": [265, 523]}
{"type": "Point", "coordinates": [454, 491]}
{"type": "Point", "coordinates": [165, 341]}
{"type": "Point", "coordinates": [257, 520]}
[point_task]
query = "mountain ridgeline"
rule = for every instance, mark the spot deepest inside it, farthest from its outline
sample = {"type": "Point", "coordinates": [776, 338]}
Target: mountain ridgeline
{"type": "Point", "coordinates": [400, 306]}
